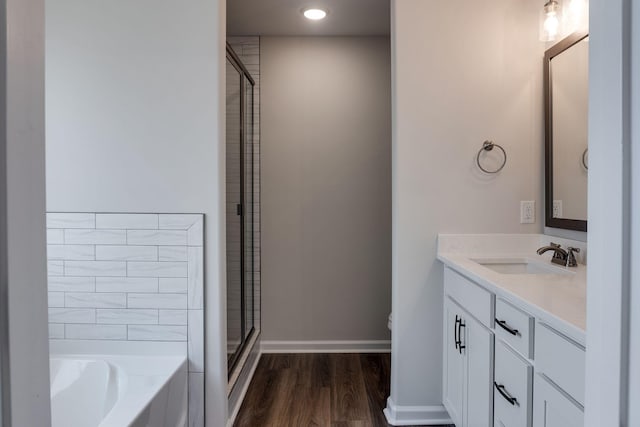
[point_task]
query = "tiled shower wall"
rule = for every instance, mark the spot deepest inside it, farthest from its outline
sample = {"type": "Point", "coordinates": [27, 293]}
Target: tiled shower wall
{"type": "Point", "coordinates": [133, 277]}
{"type": "Point", "coordinates": [248, 50]}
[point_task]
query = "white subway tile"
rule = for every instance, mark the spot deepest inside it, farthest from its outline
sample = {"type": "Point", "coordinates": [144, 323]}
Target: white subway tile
{"type": "Point", "coordinates": [95, 300]}
{"type": "Point", "coordinates": [71, 220]}
{"type": "Point", "coordinates": [196, 278]}
{"type": "Point", "coordinates": [176, 285]}
{"type": "Point", "coordinates": [126, 253]}
{"type": "Point", "coordinates": [56, 331]}
{"type": "Point", "coordinates": [70, 252]}
{"type": "Point", "coordinates": [127, 316]}
{"type": "Point", "coordinates": [195, 234]}
{"type": "Point", "coordinates": [127, 221]}
{"type": "Point", "coordinates": [175, 301]}
{"type": "Point", "coordinates": [196, 399]}
{"type": "Point", "coordinates": [178, 221]}
{"type": "Point", "coordinates": [55, 236]}
{"type": "Point", "coordinates": [96, 332]}
{"type": "Point", "coordinates": [157, 269]}
{"type": "Point", "coordinates": [55, 299]}
{"type": "Point", "coordinates": [157, 333]}
{"type": "Point", "coordinates": [126, 284]}
{"type": "Point", "coordinates": [95, 237]}
{"type": "Point", "coordinates": [72, 284]}
{"type": "Point", "coordinates": [157, 237]}
{"type": "Point", "coordinates": [55, 268]}
{"type": "Point", "coordinates": [196, 340]}
{"type": "Point", "coordinates": [173, 317]}
{"type": "Point", "coordinates": [95, 268]}
{"type": "Point", "coordinates": [172, 253]}
{"type": "Point", "coordinates": [72, 315]}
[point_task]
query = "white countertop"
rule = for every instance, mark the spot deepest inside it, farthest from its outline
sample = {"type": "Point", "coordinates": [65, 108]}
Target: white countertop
{"type": "Point", "coordinates": [556, 299]}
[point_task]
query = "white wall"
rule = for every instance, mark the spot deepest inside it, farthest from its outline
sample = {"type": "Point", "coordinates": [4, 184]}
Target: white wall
{"type": "Point", "coordinates": [464, 72]}
{"type": "Point", "coordinates": [135, 104]}
{"type": "Point", "coordinates": [326, 188]}
{"type": "Point", "coordinates": [23, 193]}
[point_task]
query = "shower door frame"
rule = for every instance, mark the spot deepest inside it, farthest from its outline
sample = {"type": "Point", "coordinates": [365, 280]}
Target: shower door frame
{"type": "Point", "coordinates": [245, 76]}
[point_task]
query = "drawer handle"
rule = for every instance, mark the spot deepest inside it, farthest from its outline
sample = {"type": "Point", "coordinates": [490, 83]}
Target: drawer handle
{"type": "Point", "coordinates": [460, 326]}
{"type": "Point", "coordinates": [455, 332]}
{"type": "Point", "coordinates": [503, 325]}
{"type": "Point", "coordinates": [506, 395]}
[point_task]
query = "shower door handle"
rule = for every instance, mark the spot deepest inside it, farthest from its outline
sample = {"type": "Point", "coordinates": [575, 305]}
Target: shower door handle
{"type": "Point", "coordinates": [239, 209]}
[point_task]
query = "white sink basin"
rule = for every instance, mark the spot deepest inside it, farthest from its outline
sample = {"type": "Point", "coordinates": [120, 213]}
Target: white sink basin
{"type": "Point", "coordinates": [519, 266]}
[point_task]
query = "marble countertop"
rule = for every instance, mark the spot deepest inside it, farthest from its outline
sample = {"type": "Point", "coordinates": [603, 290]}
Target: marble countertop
{"type": "Point", "coordinates": [558, 300]}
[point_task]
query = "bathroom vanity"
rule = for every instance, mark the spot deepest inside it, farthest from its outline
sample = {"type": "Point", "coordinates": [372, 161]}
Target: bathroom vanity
{"type": "Point", "coordinates": [514, 332]}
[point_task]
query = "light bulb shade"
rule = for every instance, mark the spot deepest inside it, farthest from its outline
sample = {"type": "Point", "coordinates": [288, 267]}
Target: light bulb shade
{"type": "Point", "coordinates": [551, 19]}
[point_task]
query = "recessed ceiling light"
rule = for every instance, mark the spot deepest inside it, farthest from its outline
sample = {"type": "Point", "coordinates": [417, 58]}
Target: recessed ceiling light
{"type": "Point", "coordinates": [315, 14]}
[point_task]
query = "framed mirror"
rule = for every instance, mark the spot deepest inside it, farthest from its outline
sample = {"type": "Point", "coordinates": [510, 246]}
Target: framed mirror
{"type": "Point", "coordinates": [566, 87]}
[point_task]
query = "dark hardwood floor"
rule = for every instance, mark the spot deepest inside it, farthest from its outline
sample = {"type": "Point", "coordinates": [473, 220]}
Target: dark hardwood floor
{"type": "Point", "coordinates": [332, 390]}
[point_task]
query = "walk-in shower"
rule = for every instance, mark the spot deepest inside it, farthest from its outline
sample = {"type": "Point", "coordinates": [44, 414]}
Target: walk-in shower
{"type": "Point", "coordinates": [242, 186]}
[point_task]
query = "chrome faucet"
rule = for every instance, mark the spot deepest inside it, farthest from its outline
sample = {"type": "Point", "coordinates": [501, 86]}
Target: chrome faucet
{"type": "Point", "coordinates": [560, 256]}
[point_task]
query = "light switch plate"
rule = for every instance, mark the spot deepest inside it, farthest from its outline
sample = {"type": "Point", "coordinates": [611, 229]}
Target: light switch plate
{"type": "Point", "coordinates": [527, 212]}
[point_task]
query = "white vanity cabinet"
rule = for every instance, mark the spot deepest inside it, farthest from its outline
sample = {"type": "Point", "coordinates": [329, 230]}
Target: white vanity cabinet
{"type": "Point", "coordinates": [503, 367]}
{"type": "Point", "coordinates": [468, 358]}
{"type": "Point", "coordinates": [559, 383]}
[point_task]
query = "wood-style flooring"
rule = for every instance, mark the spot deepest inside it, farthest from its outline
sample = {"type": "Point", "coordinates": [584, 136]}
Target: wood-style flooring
{"type": "Point", "coordinates": [325, 390]}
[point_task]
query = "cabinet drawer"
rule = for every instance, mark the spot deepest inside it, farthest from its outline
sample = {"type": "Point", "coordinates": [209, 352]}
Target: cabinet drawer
{"type": "Point", "coordinates": [475, 299]}
{"type": "Point", "coordinates": [515, 327]}
{"type": "Point", "coordinates": [561, 360]}
{"type": "Point", "coordinates": [512, 389]}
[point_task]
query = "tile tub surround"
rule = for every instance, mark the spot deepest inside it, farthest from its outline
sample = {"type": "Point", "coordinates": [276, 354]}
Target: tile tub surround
{"type": "Point", "coordinates": [130, 277]}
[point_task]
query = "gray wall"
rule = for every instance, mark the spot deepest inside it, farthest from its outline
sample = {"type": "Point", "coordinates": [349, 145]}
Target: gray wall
{"type": "Point", "coordinates": [464, 72]}
{"type": "Point", "coordinates": [23, 254]}
{"type": "Point", "coordinates": [326, 188]}
{"type": "Point", "coordinates": [135, 123]}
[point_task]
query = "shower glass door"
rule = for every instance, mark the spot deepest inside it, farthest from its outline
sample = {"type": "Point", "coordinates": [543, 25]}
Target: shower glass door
{"type": "Point", "coordinates": [240, 216]}
{"type": "Point", "coordinates": [233, 212]}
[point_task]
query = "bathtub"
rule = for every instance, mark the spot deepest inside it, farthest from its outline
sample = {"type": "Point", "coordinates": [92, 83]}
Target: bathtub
{"type": "Point", "coordinates": [118, 384]}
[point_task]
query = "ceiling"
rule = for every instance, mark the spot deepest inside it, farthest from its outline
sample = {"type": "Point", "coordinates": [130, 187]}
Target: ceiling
{"type": "Point", "coordinates": [284, 18]}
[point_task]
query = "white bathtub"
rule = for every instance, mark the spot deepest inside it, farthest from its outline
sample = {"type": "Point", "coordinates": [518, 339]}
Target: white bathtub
{"type": "Point", "coordinates": [118, 384]}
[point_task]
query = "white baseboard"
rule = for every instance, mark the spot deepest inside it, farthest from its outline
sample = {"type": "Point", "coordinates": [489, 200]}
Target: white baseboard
{"type": "Point", "coordinates": [381, 346]}
{"type": "Point", "coordinates": [415, 415]}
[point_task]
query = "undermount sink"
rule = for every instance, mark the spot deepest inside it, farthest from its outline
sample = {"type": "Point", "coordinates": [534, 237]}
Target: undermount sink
{"type": "Point", "coordinates": [519, 266]}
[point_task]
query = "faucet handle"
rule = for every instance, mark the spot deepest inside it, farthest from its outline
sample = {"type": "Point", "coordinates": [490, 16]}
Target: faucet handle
{"type": "Point", "coordinates": [571, 257]}
{"type": "Point", "coordinates": [555, 245]}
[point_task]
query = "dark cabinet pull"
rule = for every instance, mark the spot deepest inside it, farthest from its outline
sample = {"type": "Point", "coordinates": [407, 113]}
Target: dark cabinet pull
{"type": "Point", "coordinates": [455, 332]}
{"type": "Point", "coordinates": [504, 326]}
{"type": "Point", "coordinates": [506, 395]}
{"type": "Point", "coordinates": [460, 326]}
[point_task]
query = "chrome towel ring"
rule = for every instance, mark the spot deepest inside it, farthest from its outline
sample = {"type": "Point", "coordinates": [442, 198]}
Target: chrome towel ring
{"type": "Point", "coordinates": [488, 146]}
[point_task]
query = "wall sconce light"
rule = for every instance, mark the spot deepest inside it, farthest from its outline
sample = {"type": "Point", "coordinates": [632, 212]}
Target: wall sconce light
{"type": "Point", "coordinates": [550, 21]}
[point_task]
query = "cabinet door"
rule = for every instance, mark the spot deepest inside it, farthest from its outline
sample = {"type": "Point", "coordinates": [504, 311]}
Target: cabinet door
{"type": "Point", "coordinates": [478, 342]}
{"type": "Point", "coordinates": [552, 408]}
{"type": "Point", "coordinates": [454, 360]}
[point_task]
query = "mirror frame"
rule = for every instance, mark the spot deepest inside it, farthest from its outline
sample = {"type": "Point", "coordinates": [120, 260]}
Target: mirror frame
{"type": "Point", "coordinates": [553, 51]}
